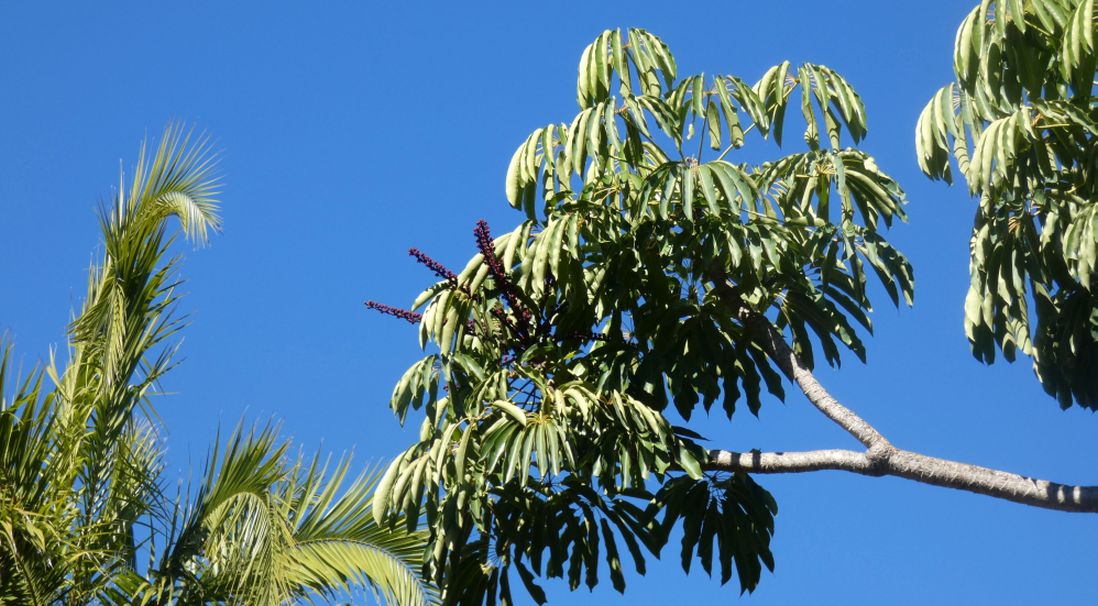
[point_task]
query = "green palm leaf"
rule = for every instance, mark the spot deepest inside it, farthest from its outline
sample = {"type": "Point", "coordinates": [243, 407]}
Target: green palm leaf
{"type": "Point", "coordinates": [265, 532]}
{"type": "Point", "coordinates": [81, 489]}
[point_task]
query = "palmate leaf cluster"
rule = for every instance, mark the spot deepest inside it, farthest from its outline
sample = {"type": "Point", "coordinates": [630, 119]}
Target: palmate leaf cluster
{"type": "Point", "coordinates": [86, 514]}
{"type": "Point", "coordinates": [1020, 123]}
{"type": "Point", "coordinates": [568, 347]}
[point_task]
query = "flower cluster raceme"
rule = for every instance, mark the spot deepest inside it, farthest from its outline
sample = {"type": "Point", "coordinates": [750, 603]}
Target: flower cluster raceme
{"type": "Point", "coordinates": [440, 270]}
{"type": "Point", "coordinates": [488, 249]}
{"type": "Point", "coordinates": [517, 321]}
{"type": "Point", "coordinates": [411, 316]}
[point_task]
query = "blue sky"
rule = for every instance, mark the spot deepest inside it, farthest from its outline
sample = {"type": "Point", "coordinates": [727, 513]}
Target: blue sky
{"type": "Point", "coordinates": [352, 131]}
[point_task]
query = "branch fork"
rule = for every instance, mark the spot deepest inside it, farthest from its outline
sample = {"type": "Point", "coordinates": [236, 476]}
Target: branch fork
{"type": "Point", "coordinates": [880, 457]}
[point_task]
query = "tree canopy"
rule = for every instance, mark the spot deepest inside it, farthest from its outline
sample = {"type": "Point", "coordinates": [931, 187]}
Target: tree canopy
{"type": "Point", "coordinates": [654, 275]}
{"type": "Point", "coordinates": [638, 281]}
{"type": "Point", "coordinates": [1020, 123]}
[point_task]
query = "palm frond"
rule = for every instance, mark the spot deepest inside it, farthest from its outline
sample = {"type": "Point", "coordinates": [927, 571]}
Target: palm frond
{"type": "Point", "coordinates": [80, 466]}
{"type": "Point", "coordinates": [178, 180]}
{"type": "Point", "coordinates": [33, 520]}
{"type": "Point", "coordinates": [267, 531]}
{"type": "Point", "coordinates": [338, 544]}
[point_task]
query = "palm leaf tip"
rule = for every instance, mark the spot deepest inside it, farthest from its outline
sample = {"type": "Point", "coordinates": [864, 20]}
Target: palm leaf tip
{"type": "Point", "coordinates": [178, 179]}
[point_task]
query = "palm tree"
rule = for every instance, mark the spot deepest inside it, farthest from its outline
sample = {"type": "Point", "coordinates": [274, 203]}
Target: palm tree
{"type": "Point", "coordinates": [86, 515]}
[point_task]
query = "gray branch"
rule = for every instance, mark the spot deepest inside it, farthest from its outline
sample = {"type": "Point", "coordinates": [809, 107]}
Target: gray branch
{"type": "Point", "coordinates": [917, 467]}
{"type": "Point", "coordinates": [789, 364]}
{"type": "Point", "coordinates": [880, 458]}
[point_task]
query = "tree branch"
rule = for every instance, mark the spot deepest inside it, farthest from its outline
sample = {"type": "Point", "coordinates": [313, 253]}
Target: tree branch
{"type": "Point", "coordinates": [920, 468]}
{"type": "Point", "coordinates": [757, 324]}
{"type": "Point", "coordinates": [790, 462]}
{"type": "Point", "coordinates": [819, 397]}
{"type": "Point", "coordinates": [880, 458]}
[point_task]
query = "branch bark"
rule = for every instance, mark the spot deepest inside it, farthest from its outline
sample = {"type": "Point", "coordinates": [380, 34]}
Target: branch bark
{"type": "Point", "coordinates": [920, 468]}
{"type": "Point", "coordinates": [880, 458]}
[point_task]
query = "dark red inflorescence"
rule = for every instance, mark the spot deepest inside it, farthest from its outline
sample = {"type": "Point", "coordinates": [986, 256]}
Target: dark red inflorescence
{"type": "Point", "coordinates": [503, 282]}
{"type": "Point", "coordinates": [411, 316]}
{"type": "Point", "coordinates": [440, 270]}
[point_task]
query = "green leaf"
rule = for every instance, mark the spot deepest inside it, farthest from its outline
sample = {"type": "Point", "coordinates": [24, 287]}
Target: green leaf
{"type": "Point", "coordinates": [513, 411]}
{"type": "Point", "coordinates": [690, 464]}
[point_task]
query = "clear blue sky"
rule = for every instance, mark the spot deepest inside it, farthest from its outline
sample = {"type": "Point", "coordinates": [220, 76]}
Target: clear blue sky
{"type": "Point", "coordinates": [350, 131]}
